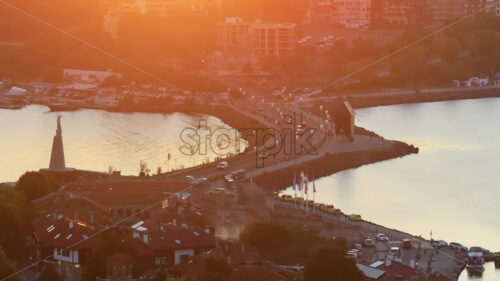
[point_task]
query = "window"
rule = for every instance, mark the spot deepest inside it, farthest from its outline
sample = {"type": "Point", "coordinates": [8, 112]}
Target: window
{"type": "Point", "coordinates": [161, 260]}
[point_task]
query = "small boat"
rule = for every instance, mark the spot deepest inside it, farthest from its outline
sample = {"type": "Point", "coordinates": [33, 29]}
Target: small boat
{"type": "Point", "coordinates": [475, 262]}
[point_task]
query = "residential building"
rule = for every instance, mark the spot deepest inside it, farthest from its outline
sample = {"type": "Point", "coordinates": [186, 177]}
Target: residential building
{"type": "Point", "coordinates": [487, 6]}
{"type": "Point", "coordinates": [348, 13]}
{"type": "Point", "coordinates": [352, 13]}
{"type": "Point", "coordinates": [126, 197]}
{"type": "Point", "coordinates": [171, 244]}
{"type": "Point", "coordinates": [387, 270]}
{"type": "Point", "coordinates": [240, 39]}
{"type": "Point", "coordinates": [63, 238]}
{"type": "Point", "coordinates": [89, 76]}
{"type": "Point", "coordinates": [272, 38]}
{"type": "Point", "coordinates": [442, 11]}
{"type": "Point", "coordinates": [168, 7]}
{"type": "Point", "coordinates": [394, 12]}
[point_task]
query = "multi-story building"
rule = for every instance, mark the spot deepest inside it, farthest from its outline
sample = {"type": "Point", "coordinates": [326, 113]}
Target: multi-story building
{"type": "Point", "coordinates": [394, 12]}
{"type": "Point", "coordinates": [446, 10]}
{"type": "Point", "coordinates": [349, 13]}
{"type": "Point", "coordinates": [488, 6]}
{"type": "Point", "coordinates": [239, 39]}
{"type": "Point", "coordinates": [352, 13]}
{"type": "Point", "coordinates": [166, 7]}
{"type": "Point", "coordinates": [272, 38]}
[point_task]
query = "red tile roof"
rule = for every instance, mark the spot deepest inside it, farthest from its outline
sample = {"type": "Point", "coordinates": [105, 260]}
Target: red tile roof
{"type": "Point", "coordinates": [178, 237]}
{"type": "Point", "coordinates": [395, 272]}
{"type": "Point", "coordinates": [127, 185]}
{"type": "Point", "coordinates": [63, 232]}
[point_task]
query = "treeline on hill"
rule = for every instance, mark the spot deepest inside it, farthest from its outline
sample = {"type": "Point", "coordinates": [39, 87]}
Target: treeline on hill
{"type": "Point", "coordinates": [16, 215]}
{"type": "Point", "coordinates": [470, 48]}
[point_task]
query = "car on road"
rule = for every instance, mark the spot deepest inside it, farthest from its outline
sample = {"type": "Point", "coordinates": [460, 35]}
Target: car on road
{"type": "Point", "coordinates": [382, 237]}
{"type": "Point", "coordinates": [475, 249]}
{"type": "Point", "coordinates": [478, 249]}
{"type": "Point", "coordinates": [369, 243]}
{"type": "Point", "coordinates": [222, 165]}
{"type": "Point", "coordinates": [457, 247]}
{"type": "Point", "coordinates": [406, 244]}
{"type": "Point", "coordinates": [190, 178]}
{"type": "Point", "coordinates": [439, 244]}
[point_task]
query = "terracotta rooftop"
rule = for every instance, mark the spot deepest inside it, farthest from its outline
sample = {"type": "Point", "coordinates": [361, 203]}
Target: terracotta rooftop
{"type": "Point", "coordinates": [61, 232]}
{"type": "Point", "coordinates": [377, 270]}
{"type": "Point", "coordinates": [126, 185]}
{"type": "Point", "coordinates": [178, 237]}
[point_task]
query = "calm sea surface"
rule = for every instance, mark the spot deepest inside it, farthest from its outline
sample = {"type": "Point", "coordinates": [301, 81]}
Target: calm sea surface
{"type": "Point", "coordinates": [451, 187]}
{"type": "Point", "coordinates": [95, 140]}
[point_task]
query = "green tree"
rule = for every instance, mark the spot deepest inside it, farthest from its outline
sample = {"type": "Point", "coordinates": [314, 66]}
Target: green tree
{"type": "Point", "coordinates": [49, 274]}
{"type": "Point", "coordinates": [7, 268]}
{"type": "Point", "coordinates": [35, 184]}
{"type": "Point", "coordinates": [14, 216]}
{"type": "Point", "coordinates": [266, 235]}
{"type": "Point", "coordinates": [215, 269]}
{"type": "Point", "coordinates": [327, 264]}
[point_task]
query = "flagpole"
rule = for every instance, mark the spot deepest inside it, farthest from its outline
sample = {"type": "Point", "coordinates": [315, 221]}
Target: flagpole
{"type": "Point", "coordinates": [295, 190]}
{"type": "Point", "coordinates": [307, 195]}
{"type": "Point", "coordinates": [314, 195]}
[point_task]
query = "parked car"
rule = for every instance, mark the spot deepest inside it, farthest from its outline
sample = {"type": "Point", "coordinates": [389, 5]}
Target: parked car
{"type": "Point", "coordinates": [457, 247]}
{"type": "Point", "coordinates": [355, 251]}
{"type": "Point", "coordinates": [352, 255]}
{"type": "Point", "coordinates": [382, 237]}
{"type": "Point", "coordinates": [439, 244]}
{"type": "Point", "coordinates": [369, 243]}
{"type": "Point", "coordinates": [395, 251]}
{"type": "Point", "coordinates": [355, 217]}
{"type": "Point", "coordinates": [357, 246]}
{"type": "Point", "coordinates": [406, 244]}
{"type": "Point", "coordinates": [475, 249]}
{"type": "Point", "coordinates": [222, 166]}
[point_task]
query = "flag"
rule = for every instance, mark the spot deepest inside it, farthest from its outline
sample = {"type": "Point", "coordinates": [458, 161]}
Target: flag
{"type": "Point", "coordinates": [168, 156]}
{"type": "Point", "coordinates": [314, 186]}
{"type": "Point", "coordinates": [302, 176]}
{"type": "Point", "coordinates": [294, 182]}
